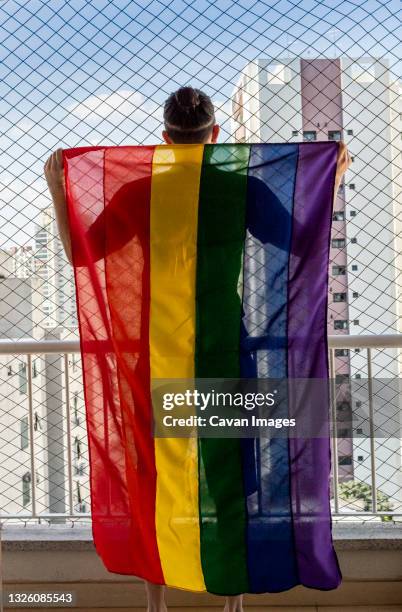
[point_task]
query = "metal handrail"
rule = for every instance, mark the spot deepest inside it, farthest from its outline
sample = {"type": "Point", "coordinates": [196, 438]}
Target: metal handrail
{"type": "Point", "coordinates": [27, 346]}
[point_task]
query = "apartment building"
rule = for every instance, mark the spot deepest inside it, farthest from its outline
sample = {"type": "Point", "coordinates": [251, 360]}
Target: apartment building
{"type": "Point", "coordinates": [43, 430]}
{"type": "Point", "coordinates": [52, 266]}
{"type": "Point", "coordinates": [358, 101]}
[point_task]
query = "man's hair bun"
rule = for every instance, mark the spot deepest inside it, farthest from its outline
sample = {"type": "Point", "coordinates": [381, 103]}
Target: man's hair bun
{"type": "Point", "coordinates": [187, 98]}
{"type": "Point", "coordinates": [188, 115]}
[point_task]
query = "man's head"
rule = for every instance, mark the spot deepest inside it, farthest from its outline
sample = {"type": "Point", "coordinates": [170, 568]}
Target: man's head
{"type": "Point", "coordinates": [189, 118]}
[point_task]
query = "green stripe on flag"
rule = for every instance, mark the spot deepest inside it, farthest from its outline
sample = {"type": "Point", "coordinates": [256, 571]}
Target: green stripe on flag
{"type": "Point", "coordinates": [221, 235]}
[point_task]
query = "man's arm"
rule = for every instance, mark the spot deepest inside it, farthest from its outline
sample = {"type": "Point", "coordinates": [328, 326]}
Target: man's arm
{"type": "Point", "coordinates": [54, 175]}
{"type": "Point", "coordinates": [123, 213]}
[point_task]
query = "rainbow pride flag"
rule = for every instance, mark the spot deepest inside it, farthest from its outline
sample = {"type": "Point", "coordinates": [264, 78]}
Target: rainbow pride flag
{"type": "Point", "coordinates": [206, 261]}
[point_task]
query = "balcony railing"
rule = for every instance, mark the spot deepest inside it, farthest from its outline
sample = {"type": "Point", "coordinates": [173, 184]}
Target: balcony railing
{"type": "Point", "coordinates": [62, 480]}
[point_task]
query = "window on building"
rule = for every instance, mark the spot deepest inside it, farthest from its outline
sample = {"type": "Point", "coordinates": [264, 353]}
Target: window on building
{"type": "Point", "coordinates": [338, 215]}
{"type": "Point", "coordinates": [343, 406]}
{"type": "Point", "coordinates": [349, 132]}
{"type": "Point", "coordinates": [358, 404]}
{"type": "Point", "coordinates": [309, 136]}
{"type": "Point", "coordinates": [358, 376]}
{"type": "Point", "coordinates": [340, 379]}
{"type": "Point", "coordinates": [35, 368]}
{"type": "Point", "coordinates": [353, 213]}
{"type": "Point", "coordinates": [359, 430]}
{"type": "Point", "coordinates": [338, 270]}
{"type": "Point", "coordinates": [26, 489]}
{"type": "Point", "coordinates": [355, 294]}
{"type": "Point", "coordinates": [22, 374]}
{"type": "Point", "coordinates": [338, 243]}
{"type": "Point", "coordinates": [344, 433]}
{"type": "Point", "coordinates": [334, 135]}
{"type": "Point", "coordinates": [357, 350]}
{"type": "Point", "coordinates": [76, 417]}
{"type": "Point", "coordinates": [295, 133]}
{"type": "Point", "coordinates": [356, 322]}
{"type": "Point", "coordinates": [360, 458]}
{"type": "Point", "coordinates": [37, 422]}
{"type": "Point", "coordinates": [354, 267]}
{"type": "Point", "coordinates": [341, 352]}
{"type": "Point", "coordinates": [79, 469]}
{"type": "Point", "coordinates": [340, 324]}
{"type": "Point", "coordinates": [339, 297]}
{"type": "Point", "coordinates": [352, 158]}
{"type": "Point", "coordinates": [78, 488]}
{"type": "Point", "coordinates": [24, 430]}
{"type": "Point", "coordinates": [353, 240]}
{"type": "Point", "coordinates": [345, 460]}
{"type": "Point", "coordinates": [352, 186]}
{"type": "Point", "coordinates": [77, 448]}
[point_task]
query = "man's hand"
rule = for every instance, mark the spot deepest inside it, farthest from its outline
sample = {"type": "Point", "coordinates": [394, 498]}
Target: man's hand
{"type": "Point", "coordinates": [54, 172]}
{"type": "Point", "coordinates": [54, 175]}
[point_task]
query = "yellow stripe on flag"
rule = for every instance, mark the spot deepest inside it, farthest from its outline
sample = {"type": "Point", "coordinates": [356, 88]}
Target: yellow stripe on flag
{"type": "Point", "coordinates": [176, 174]}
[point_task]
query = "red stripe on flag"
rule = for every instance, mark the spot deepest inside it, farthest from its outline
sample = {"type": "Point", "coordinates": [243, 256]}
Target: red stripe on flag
{"type": "Point", "coordinates": [112, 268]}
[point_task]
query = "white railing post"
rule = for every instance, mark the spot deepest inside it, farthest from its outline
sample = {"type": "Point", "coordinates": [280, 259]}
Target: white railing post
{"type": "Point", "coordinates": [31, 434]}
{"type": "Point", "coordinates": [335, 471]}
{"type": "Point", "coordinates": [68, 431]}
{"type": "Point", "coordinates": [372, 433]}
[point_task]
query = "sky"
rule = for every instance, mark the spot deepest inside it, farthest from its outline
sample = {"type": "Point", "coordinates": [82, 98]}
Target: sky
{"type": "Point", "coordinates": [97, 72]}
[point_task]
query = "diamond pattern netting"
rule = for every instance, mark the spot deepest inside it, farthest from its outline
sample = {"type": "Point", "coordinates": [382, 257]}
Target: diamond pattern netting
{"type": "Point", "coordinates": [98, 73]}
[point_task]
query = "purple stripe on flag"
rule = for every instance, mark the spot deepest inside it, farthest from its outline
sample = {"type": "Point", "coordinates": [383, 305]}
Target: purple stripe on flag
{"type": "Point", "coordinates": [310, 459]}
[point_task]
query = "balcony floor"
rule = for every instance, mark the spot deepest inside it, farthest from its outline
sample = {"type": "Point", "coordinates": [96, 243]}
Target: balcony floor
{"type": "Point", "coordinates": [60, 559]}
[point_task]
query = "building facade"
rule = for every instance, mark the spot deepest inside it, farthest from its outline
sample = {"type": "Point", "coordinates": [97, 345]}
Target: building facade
{"type": "Point", "coordinates": [357, 101]}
